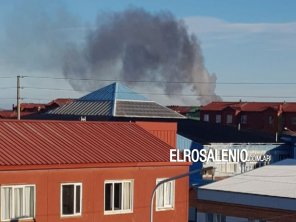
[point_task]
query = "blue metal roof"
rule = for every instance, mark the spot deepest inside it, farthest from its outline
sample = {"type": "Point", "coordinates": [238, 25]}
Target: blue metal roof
{"type": "Point", "coordinates": [105, 93]}
{"type": "Point", "coordinates": [116, 100]}
{"type": "Point", "coordinates": [124, 93]}
{"type": "Point", "coordinates": [114, 91]}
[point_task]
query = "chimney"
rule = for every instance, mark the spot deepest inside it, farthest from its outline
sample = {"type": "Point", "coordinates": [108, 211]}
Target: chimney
{"type": "Point", "coordinates": [83, 118]}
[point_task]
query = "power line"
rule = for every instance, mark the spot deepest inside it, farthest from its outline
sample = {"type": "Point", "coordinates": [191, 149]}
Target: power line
{"type": "Point", "coordinates": [169, 94]}
{"type": "Point", "coordinates": [9, 87]}
{"type": "Point", "coordinates": [7, 77]}
{"type": "Point", "coordinates": [163, 82]}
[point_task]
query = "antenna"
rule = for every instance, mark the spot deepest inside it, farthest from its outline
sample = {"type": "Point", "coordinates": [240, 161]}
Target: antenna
{"type": "Point", "coordinates": [18, 97]}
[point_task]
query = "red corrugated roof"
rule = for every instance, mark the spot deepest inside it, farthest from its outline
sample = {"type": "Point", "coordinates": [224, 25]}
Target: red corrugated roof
{"type": "Point", "coordinates": [60, 101]}
{"type": "Point", "coordinates": [243, 106]}
{"type": "Point", "coordinates": [289, 107]}
{"type": "Point", "coordinates": [36, 143]}
{"type": "Point", "coordinates": [32, 106]}
{"type": "Point", "coordinates": [9, 114]}
{"type": "Point", "coordinates": [218, 106]}
{"type": "Point", "coordinates": [259, 106]}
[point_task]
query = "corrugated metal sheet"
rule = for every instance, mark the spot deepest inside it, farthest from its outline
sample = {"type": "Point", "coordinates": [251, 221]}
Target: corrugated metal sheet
{"type": "Point", "coordinates": [277, 180]}
{"type": "Point", "coordinates": [289, 107]}
{"type": "Point", "coordinates": [144, 109]}
{"type": "Point", "coordinates": [85, 108]}
{"type": "Point", "coordinates": [54, 142]}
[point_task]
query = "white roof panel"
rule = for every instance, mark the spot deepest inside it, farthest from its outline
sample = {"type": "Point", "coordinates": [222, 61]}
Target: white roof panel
{"type": "Point", "coordinates": [278, 179]}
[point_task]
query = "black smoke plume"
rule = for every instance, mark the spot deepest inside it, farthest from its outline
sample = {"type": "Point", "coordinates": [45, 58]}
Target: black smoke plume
{"type": "Point", "coordinates": [136, 46]}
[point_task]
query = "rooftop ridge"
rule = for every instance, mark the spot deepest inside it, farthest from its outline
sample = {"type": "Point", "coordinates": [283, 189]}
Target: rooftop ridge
{"type": "Point", "coordinates": [114, 91]}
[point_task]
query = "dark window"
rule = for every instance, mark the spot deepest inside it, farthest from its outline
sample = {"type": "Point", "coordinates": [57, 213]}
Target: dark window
{"type": "Point", "coordinates": [293, 120]}
{"type": "Point", "coordinates": [71, 199]}
{"type": "Point", "coordinates": [108, 196]}
{"type": "Point", "coordinates": [118, 196]}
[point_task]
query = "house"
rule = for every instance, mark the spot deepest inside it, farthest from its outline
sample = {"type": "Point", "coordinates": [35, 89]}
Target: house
{"type": "Point", "coordinates": [289, 137]}
{"type": "Point", "coordinates": [87, 171]}
{"type": "Point", "coordinates": [28, 110]}
{"type": "Point", "coordinates": [192, 112]}
{"type": "Point", "coordinates": [270, 117]}
{"type": "Point", "coordinates": [264, 194]}
{"type": "Point", "coordinates": [288, 117]}
{"type": "Point", "coordinates": [113, 102]}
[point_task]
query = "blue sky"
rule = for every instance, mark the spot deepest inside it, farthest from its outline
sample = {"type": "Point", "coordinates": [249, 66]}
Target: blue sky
{"type": "Point", "coordinates": [242, 41]}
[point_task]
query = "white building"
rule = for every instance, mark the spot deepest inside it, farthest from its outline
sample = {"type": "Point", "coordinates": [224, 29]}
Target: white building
{"type": "Point", "coordinates": [277, 152]}
{"type": "Point", "coordinates": [267, 194]}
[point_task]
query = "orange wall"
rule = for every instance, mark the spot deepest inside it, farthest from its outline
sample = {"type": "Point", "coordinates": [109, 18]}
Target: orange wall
{"type": "Point", "coordinates": [48, 192]}
{"type": "Point", "coordinates": [166, 131]}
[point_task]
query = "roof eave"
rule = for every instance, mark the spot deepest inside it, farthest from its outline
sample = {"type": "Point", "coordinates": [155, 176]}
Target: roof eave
{"type": "Point", "coordinates": [92, 165]}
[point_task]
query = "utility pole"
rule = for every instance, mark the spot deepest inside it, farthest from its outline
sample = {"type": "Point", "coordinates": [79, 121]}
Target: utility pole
{"type": "Point", "coordinates": [18, 97]}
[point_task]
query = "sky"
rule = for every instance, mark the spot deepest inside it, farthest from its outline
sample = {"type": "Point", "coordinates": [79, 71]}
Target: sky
{"type": "Point", "coordinates": [248, 44]}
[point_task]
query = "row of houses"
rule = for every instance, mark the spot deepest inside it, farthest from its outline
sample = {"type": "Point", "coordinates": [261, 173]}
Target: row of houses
{"type": "Point", "coordinates": [270, 117]}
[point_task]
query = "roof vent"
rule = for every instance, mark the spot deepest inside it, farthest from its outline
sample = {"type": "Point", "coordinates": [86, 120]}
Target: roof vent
{"type": "Point", "coordinates": [83, 118]}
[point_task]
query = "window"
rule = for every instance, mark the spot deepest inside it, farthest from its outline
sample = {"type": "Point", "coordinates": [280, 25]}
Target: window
{"type": "Point", "coordinates": [229, 119]}
{"type": "Point", "coordinates": [71, 199]}
{"type": "Point", "coordinates": [212, 217]}
{"type": "Point", "coordinates": [293, 120]}
{"type": "Point", "coordinates": [118, 197]}
{"type": "Point", "coordinates": [244, 119]}
{"type": "Point", "coordinates": [206, 117]}
{"type": "Point", "coordinates": [270, 120]}
{"type": "Point", "coordinates": [218, 118]}
{"type": "Point", "coordinates": [165, 195]}
{"type": "Point", "coordinates": [17, 202]}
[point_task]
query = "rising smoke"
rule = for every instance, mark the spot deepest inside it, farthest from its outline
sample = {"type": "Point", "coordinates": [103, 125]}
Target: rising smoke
{"type": "Point", "coordinates": [134, 46]}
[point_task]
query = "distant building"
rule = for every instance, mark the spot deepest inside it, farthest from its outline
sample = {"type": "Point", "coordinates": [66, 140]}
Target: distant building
{"type": "Point", "coordinates": [207, 132]}
{"type": "Point", "coordinates": [266, 194]}
{"type": "Point", "coordinates": [289, 137]}
{"type": "Point", "coordinates": [87, 171]}
{"type": "Point", "coordinates": [270, 117]}
{"type": "Point", "coordinates": [28, 110]}
{"type": "Point", "coordinates": [277, 152]}
{"type": "Point", "coordinates": [192, 112]}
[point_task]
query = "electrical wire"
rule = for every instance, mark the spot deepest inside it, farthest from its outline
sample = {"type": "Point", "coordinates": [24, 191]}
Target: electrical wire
{"type": "Point", "coordinates": [164, 82]}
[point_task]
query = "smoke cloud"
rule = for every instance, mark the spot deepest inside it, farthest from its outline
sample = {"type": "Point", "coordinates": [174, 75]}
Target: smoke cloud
{"type": "Point", "coordinates": [135, 46]}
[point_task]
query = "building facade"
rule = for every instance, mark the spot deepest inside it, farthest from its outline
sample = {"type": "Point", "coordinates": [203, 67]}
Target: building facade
{"type": "Point", "coordinates": [276, 152]}
{"type": "Point", "coordinates": [261, 116]}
